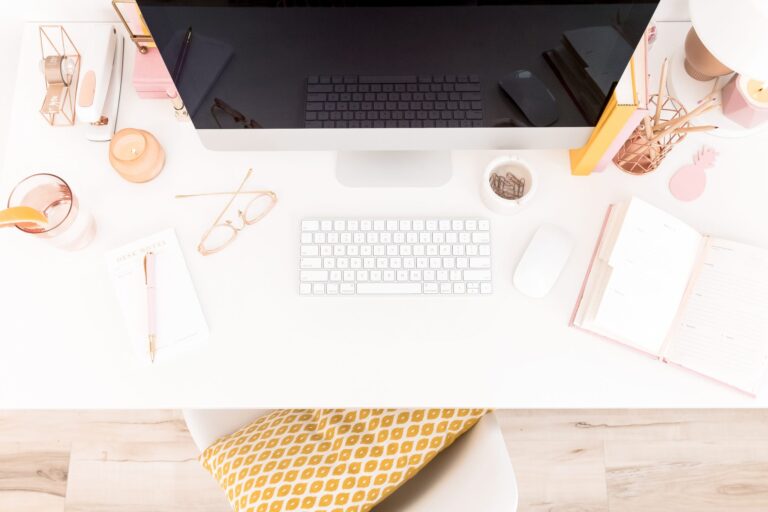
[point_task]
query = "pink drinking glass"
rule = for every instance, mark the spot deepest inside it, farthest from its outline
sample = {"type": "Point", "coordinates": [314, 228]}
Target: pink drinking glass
{"type": "Point", "coordinates": [69, 227]}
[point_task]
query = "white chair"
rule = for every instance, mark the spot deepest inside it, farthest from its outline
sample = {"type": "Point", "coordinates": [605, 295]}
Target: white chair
{"type": "Point", "coordinates": [472, 474]}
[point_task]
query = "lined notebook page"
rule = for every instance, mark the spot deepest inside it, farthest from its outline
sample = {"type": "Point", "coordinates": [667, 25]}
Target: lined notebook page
{"type": "Point", "coordinates": [723, 328]}
{"type": "Point", "coordinates": [650, 264]}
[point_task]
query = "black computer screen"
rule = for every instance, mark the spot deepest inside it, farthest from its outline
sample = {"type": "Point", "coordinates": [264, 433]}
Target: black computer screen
{"type": "Point", "coordinates": [377, 64]}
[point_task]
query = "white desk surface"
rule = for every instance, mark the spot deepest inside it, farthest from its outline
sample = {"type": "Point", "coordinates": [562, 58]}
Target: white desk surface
{"type": "Point", "coordinates": [62, 342]}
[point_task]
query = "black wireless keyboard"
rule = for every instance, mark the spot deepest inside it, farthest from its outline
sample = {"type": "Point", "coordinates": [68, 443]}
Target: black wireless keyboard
{"type": "Point", "coordinates": [425, 101]}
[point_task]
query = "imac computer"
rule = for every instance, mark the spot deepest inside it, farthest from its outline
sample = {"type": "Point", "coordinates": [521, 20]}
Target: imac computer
{"type": "Point", "coordinates": [393, 86]}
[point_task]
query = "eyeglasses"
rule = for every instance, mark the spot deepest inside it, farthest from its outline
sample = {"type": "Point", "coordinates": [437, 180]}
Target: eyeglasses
{"type": "Point", "coordinates": [227, 117]}
{"type": "Point", "coordinates": [221, 234]}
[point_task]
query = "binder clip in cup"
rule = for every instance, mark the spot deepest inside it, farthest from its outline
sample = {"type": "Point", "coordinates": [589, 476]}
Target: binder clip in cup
{"type": "Point", "coordinates": [508, 185]}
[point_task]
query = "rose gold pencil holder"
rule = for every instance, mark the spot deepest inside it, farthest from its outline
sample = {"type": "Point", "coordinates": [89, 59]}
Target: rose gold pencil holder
{"type": "Point", "coordinates": [641, 155]}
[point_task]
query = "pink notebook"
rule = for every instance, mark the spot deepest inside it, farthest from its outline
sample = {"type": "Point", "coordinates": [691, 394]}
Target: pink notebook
{"type": "Point", "coordinates": [659, 286]}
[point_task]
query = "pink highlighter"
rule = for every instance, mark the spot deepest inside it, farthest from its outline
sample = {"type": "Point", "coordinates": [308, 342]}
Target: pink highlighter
{"type": "Point", "coordinates": [149, 281]}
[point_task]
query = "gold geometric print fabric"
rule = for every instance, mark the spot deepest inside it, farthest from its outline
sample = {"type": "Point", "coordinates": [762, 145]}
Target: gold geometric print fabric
{"type": "Point", "coordinates": [339, 460]}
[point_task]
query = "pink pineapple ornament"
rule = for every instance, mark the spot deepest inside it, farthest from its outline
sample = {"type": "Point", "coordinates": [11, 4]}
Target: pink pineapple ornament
{"type": "Point", "coordinates": [689, 182]}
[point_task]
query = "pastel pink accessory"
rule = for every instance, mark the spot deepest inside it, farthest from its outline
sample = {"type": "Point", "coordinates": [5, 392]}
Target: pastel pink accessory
{"type": "Point", "coordinates": [150, 76]}
{"type": "Point", "coordinates": [689, 182]}
{"type": "Point", "coordinates": [739, 107]}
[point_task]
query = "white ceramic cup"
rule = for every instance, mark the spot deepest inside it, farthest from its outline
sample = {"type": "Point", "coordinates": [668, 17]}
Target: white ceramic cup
{"type": "Point", "coordinates": [520, 169]}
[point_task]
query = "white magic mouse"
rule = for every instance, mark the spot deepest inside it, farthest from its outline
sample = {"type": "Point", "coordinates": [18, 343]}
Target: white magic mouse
{"type": "Point", "coordinates": [543, 261]}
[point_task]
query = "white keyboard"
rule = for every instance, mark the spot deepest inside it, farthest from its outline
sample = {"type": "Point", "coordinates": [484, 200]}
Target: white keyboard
{"type": "Point", "coordinates": [395, 256]}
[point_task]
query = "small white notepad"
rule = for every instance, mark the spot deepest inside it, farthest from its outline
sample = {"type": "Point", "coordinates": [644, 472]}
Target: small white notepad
{"type": "Point", "coordinates": [180, 321]}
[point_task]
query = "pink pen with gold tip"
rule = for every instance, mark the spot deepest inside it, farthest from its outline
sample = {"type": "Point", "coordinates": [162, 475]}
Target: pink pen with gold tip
{"type": "Point", "coordinates": [149, 281]}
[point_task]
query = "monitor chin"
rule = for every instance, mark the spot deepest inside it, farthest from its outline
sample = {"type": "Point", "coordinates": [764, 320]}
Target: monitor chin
{"type": "Point", "coordinates": [394, 139]}
{"type": "Point", "coordinates": [393, 168]}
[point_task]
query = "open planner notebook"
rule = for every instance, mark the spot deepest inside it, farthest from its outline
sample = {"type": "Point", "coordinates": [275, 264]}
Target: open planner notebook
{"type": "Point", "coordinates": [661, 287]}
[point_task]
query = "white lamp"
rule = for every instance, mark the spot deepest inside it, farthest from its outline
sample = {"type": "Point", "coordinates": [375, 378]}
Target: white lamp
{"type": "Point", "coordinates": [724, 56]}
{"type": "Point", "coordinates": [727, 36]}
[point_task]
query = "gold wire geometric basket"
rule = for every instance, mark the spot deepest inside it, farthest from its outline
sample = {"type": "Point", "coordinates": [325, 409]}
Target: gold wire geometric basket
{"type": "Point", "coordinates": [641, 154]}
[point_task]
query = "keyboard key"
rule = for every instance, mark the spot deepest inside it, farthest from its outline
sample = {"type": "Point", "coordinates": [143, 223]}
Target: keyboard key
{"type": "Point", "coordinates": [387, 79]}
{"type": "Point", "coordinates": [480, 262]}
{"type": "Point", "coordinates": [311, 263]}
{"type": "Point", "coordinates": [477, 275]}
{"type": "Point", "coordinates": [310, 250]}
{"type": "Point", "coordinates": [310, 225]}
{"type": "Point", "coordinates": [467, 88]}
{"type": "Point", "coordinates": [389, 288]}
{"type": "Point", "coordinates": [309, 276]}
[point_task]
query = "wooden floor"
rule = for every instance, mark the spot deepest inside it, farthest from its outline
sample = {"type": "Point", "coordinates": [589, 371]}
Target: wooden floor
{"type": "Point", "coordinates": [566, 461]}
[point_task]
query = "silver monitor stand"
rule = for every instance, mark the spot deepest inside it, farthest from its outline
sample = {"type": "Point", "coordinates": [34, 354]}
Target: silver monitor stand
{"type": "Point", "coordinates": [393, 168]}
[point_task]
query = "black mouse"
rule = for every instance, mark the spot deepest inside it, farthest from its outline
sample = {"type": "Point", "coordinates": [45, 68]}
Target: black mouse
{"type": "Point", "coordinates": [532, 97]}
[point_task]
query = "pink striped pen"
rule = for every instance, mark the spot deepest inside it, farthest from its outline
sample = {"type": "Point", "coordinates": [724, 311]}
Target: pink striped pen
{"type": "Point", "coordinates": [149, 281]}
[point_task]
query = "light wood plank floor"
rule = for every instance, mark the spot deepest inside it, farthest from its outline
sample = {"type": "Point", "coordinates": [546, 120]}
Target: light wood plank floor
{"type": "Point", "coordinates": [566, 461]}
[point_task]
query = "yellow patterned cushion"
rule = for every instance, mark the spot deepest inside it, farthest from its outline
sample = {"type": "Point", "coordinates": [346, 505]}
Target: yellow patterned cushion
{"type": "Point", "coordinates": [330, 460]}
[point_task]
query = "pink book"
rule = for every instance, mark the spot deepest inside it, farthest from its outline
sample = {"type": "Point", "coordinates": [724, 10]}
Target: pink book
{"type": "Point", "coordinates": [659, 286]}
{"type": "Point", "coordinates": [640, 73]}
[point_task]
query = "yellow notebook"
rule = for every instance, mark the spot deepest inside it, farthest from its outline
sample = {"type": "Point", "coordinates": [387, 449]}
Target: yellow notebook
{"type": "Point", "coordinates": [623, 112]}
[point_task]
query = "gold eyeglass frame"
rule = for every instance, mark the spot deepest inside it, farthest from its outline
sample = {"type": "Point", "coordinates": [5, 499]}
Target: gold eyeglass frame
{"type": "Point", "coordinates": [240, 213]}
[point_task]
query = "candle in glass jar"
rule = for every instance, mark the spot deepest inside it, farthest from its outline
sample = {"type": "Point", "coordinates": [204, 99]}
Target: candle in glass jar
{"type": "Point", "coordinates": [136, 155]}
{"type": "Point", "coordinates": [757, 91]}
{"type": "Point", "coordinates": [745, 101]}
